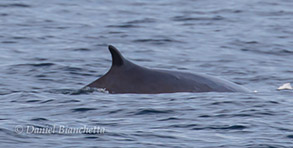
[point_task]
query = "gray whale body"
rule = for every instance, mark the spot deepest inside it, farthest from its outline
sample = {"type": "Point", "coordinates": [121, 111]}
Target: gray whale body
{"type": "Point", "coordinates": [127, 77]}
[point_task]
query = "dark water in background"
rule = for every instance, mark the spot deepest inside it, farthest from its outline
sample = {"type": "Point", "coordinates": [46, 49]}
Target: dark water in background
{"type": "Point", "coordinates": [50, 49]}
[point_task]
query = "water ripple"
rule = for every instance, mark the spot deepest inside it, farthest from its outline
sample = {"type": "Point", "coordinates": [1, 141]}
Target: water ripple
{"type": "Point", "coordinates": [153, 111]}
{"type": "Point", "coordinates": [187, 18]}
{"type": "Point", "coordinates": [82, 109]}
{"type": "Point", "coordinates": [15, 5]}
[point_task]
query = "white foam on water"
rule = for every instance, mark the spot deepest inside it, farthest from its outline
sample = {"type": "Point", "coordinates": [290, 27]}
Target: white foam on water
{"type": "Point", "coordinates": [285, 86]}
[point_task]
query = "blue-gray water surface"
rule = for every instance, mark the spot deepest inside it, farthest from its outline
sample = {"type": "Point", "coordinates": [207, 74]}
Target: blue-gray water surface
{"type": "Point", "coordinates": [51, 49]}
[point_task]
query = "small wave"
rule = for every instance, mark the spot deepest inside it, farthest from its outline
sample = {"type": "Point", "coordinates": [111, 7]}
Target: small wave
{"type": "Point", "coordinates": [165, 136]}
{"type": "Point", "coordinates": [290, 136]}
{"type": "Point", "coordinates": [70, 68]}
{"type": "Point", "coordinates": [277, 51]}
{"type": "Point", "coordinates": [92, 137]}
{"type": "Point", "coordinates": [142, 21]}
{"type": "Point", "coordinates": [8, 42]}
{"type": "Point", "coordinates": [153, 111]}
{"type": "Point", "coordinates": [70, 101]}
{"type": "Point", "coordinates": [123, 26]}
{"type": "Point", "coordinates": [15, 5]}
{"type": "Point", "coordinates": [39, 119]}
{"type": "Point", "coordinates": [227, 11]}
{"type": "Point", "coordinates": [77, 49]}
{"type": "Point", "coordinates": [223, 102]}
{"type": "Point", "coordinates": [265, 146]}
{"type": "Point", "coordinates": [116, 111]}
{"type": "Point", "coordinates": [169, 119]}
{"type": "Point", "coordinates": [184, 125]}
{"type": "Point", "coordinates": [4, 14]}
{"type": "Point", "coordinates": [226, 115]}
{"type": "Point", "coordinates": [232, 127]}
{"type": "Point", "coordinates": [70, 91]}
{"type": "Point", "coordinates": [275, 13]}
{"type": "Point", "coordinates": [187, 18]}
{"type": "Point", "coordinates": [115, 32]}
{"type": "Point", "coordinates": [82, 49]}
{"type": "Point", "coordinates": [46, 101]}
{"type": "Point", "coordinates": [262, 48]}
{"type": "Point", "coordinates": [83, 109]}
{"type": "Point", "coordinates": [37, 64]}
{"type": "Point", "coordinates": [19, 37]}
{"type": "Point", "coordinates": [205, 116]}
{"type": "Point", "coordinates": [157, 41]}
{"type": "Point", "coordinates": [32, 101]}
{"type": "Point", "coordinates": [154, 40]}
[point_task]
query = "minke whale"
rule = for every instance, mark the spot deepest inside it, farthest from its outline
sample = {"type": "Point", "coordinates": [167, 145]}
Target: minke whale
{"type": "Point", "coordinates": [127, 77]}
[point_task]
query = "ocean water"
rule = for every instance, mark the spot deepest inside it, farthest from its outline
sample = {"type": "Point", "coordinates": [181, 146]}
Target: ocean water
{"type": "Point", "coordinates": [51, 49]}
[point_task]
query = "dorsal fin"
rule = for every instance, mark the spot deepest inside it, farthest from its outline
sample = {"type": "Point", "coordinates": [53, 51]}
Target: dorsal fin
{"type": "Point", "coordinates": [117, 58]}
